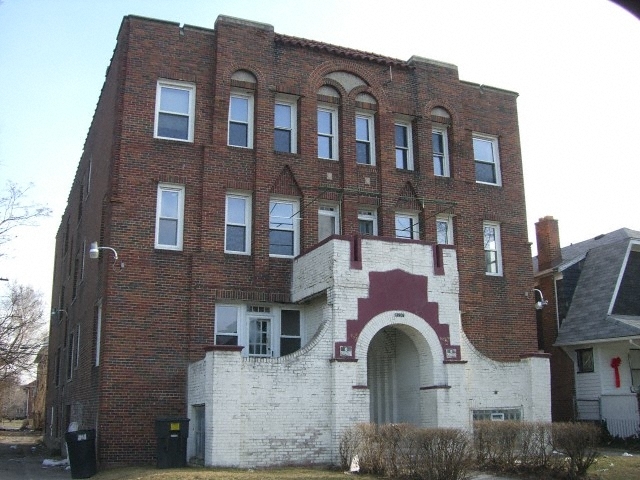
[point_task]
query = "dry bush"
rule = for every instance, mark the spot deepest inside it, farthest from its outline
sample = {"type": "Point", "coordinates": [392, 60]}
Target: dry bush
{"type": "Point", "coordinates": [496, 444]}
{"type": "Point", "coordinates": [579, 442]}
{"type": "Point", "coordinates": [442, 454]}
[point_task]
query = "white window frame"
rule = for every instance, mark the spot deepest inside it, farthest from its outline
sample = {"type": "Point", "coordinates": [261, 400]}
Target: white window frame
{"type": "Point", "coordinates": [247, 223]}
{"type": "Point", "coordinates": [370, 141]}
{"type": "Point", "coordinates": [188, 87]}
{"type": "Point", "coordinates": [412, 230]}
{"type": "Point", "coordinates": [495, 163]}
{"type": "Point", "coordinates": [444, 155]}
{"type": "Point", "coordinates": [333, 136]}
{"type": "Point", "coordinates": [98, 332]}
{"type": "Point", "coordinates": [246, 313]}
{"type": "Point", "coordinates": [332, 212]}
{"type": "Point", "coordinates": [249, 123]}
{"type": "Point", "coordinates": [292, 103]}
{"type": "Point", "coordinates": [180, 190]}
{"type": "Point", "coordinates": [295, 224]}
{"type": "Point", "coordinates": [407, 125]}
{"type": "Point", "coordinates": [368, 215]}
{"type": "Point", "coordinates": [448, 220]}
{"type": "Point", "coordinates": [497, 248]}
{"type": "Point", "coordinates": [76, 361]}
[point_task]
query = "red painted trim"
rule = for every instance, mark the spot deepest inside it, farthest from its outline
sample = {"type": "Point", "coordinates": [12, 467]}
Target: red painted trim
{"type": "Point", "coordinates": [401, 291]}
{"type": "Point", "coordinates": [356, 252]}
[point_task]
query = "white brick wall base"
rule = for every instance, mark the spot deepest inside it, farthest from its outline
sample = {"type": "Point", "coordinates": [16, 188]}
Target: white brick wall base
{"type": "Point", "coordinates": [293, 409]}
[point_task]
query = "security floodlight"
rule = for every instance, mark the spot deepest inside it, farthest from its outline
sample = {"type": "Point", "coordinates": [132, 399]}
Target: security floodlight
{"type": "Point", "coordinates": [540, 304]}
{"type": "Point", "coordinates": [94, 251]}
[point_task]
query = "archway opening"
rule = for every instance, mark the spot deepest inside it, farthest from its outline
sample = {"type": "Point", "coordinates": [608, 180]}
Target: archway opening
{"type": "Point", "coordinates": [393, 376]}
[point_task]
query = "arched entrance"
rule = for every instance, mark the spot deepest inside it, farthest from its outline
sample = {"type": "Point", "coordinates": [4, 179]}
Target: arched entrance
{"type": "Point", "coordinates": [393, 376]}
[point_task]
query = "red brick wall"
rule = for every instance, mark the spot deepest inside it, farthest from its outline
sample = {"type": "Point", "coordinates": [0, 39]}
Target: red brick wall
{"type": "Point", "coordinates": [158, 309]}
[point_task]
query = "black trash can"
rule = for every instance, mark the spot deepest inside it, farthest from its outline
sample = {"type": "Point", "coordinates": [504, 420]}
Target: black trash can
{"type": "Point", "coordinates": [81, 448]}
{"type": "Point", "coordinates": [172, 434]}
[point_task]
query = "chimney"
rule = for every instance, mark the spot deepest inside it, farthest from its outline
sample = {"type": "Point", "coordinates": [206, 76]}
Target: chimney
{"type": "Point", "coordinates": [548, 242]}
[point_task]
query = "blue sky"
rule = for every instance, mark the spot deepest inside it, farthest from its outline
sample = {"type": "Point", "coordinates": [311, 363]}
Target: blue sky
{"type": "Point", "coordinates": [573, 62]}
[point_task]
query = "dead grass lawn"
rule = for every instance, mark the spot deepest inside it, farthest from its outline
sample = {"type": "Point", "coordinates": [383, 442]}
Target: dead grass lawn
{"type": "Point", "coordinates": [193, 473]}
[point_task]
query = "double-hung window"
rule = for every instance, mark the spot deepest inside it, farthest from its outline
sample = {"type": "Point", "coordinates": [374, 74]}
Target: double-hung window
{"type": "Point", "coordinates": [290, 334]}
{"type": "Point", "coordinates": [407, 226]}
{"type": "Point", "coordinates": [444, 230]}
{"type": "Point", "coordinates": [284, 235]}
{"type": "Point", "coordinates": [328, 133]}
{"type": "Point", "coordinates": [237, 234]}
{"type": "Point", "coordinates": [285, 123]}
{"type": "Point", "coordinates": [175, 106]}
{"type": "Point", "coordinates": [492, 248]}
{"type": "Point", "coordinates": [404, 148]}
{"type": "Point", "coordinates": [485, 154]}
{"type": "Point", "coordinates": [241, 119]}
{"type": "Point", "coordinates": [328, 221]}
{"type": "Point", "coordinates": [365, 139]}
{"type": "Point", "coordinates": [440, 152]}
{"type": "Point", "coordinates": [584, 358]}
{"type": "Point", "coordinates": [226, 322]}
{"type": "Point", "coordinates": [169, 217]}
{"type": "Point", "coordinates": [367, 222]}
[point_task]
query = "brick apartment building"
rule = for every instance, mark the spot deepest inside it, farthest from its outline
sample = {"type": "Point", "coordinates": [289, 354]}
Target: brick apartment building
{"type": "Point", "coordinates": [307, 236]}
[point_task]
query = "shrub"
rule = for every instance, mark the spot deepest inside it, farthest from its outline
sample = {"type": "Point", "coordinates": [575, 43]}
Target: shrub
{"type": "Point", "coordinates": [578, 441]}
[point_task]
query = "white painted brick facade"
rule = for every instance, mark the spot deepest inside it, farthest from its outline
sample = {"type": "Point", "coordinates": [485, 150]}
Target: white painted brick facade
{"type": "Point", "coordinates": [293, 409]}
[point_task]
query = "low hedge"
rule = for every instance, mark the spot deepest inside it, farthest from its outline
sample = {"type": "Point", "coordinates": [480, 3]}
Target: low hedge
{"type": "Point", "coordinates": [561, 450]}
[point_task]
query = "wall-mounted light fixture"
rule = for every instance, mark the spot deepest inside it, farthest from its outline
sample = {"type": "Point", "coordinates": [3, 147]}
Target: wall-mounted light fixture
{"type": "Point", "coordinates": [540, 304]}
{"type": "Point", "coordinates": [57, 311]}
{"type": "Point", "coordinates": [94, 250]}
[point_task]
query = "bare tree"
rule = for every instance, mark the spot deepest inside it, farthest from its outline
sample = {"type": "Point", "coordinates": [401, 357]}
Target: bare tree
{"type": "Point", "coordinates": [21, 331]}
{"type": "Point", "coordinates": [16, 211]}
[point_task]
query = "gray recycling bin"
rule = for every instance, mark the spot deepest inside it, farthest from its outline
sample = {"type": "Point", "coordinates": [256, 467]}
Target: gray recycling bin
{"type": "Point", "coordinates": [172, 434]}
{"type": "Point", "coordinates": [81, 447]}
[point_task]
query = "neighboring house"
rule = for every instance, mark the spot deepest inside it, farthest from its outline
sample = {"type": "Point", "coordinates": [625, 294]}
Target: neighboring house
{"type": "Point", "coordinates": [591, 325]}
{"type": "Point", "coordinates": [293, 237]}
{"type": "Point", "coordinates": [40, 394]}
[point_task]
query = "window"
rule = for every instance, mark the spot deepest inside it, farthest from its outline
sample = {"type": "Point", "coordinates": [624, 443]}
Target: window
{"type": "Point", "coordinates": [404, 142]}
{"type": "Point", "coordinates": [169, 217]}
{"type": "Point", "coordinates": [440, 152]}
{"type": "Point", "coordinates": [327, 133]}
{"type": "Point", "coordinates": [264, 331]}
{"type": "Point", "coordinates": [70, 356]}
{"type": "Point", "coordinates": [238, 224]}
{"type": "Point", "coordinates": [492, 249]}
{"type": "Point", "coordinates": [290, 338]}
{"type": "Point", "coordinates": [485, 154]}
{"type": "Point", "coordinates": [76, 360]}
{"type": "Point", "coordinates": [328, 221]}
{"type": "Point", "coordinates": [241, 120]}
{"type": "Point", "coordinates": [285, 123]}
{"type": "Point", "coordinates": [368, 222]}
{"type": "Point", "coordinates": [283, 228]}
{"type": "Point", "coordinates": [226, 322]}
{"type": "Point", "coordinates": [175, 110]}
{"type": "Point", "coordinates": [498, 414]}
{"type": "Point", "coordinates": [365, 145]}
{"type": "Point", "coordinates": [407, 226]}
{"type": "Point", "coordinates": [585, 360]}
{"type": "Point", "coordinates": [444, 230]}
{"type": "Point", "coordinates": [98, 332]}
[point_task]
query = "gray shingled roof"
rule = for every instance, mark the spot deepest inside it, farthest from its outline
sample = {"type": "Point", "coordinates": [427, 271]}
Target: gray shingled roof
{"type": "Point", "coordinates": [587, 318]}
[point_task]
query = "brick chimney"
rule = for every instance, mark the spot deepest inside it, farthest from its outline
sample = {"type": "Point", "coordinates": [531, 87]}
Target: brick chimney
{"type": "Point", "coordinates": [548, 242]}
